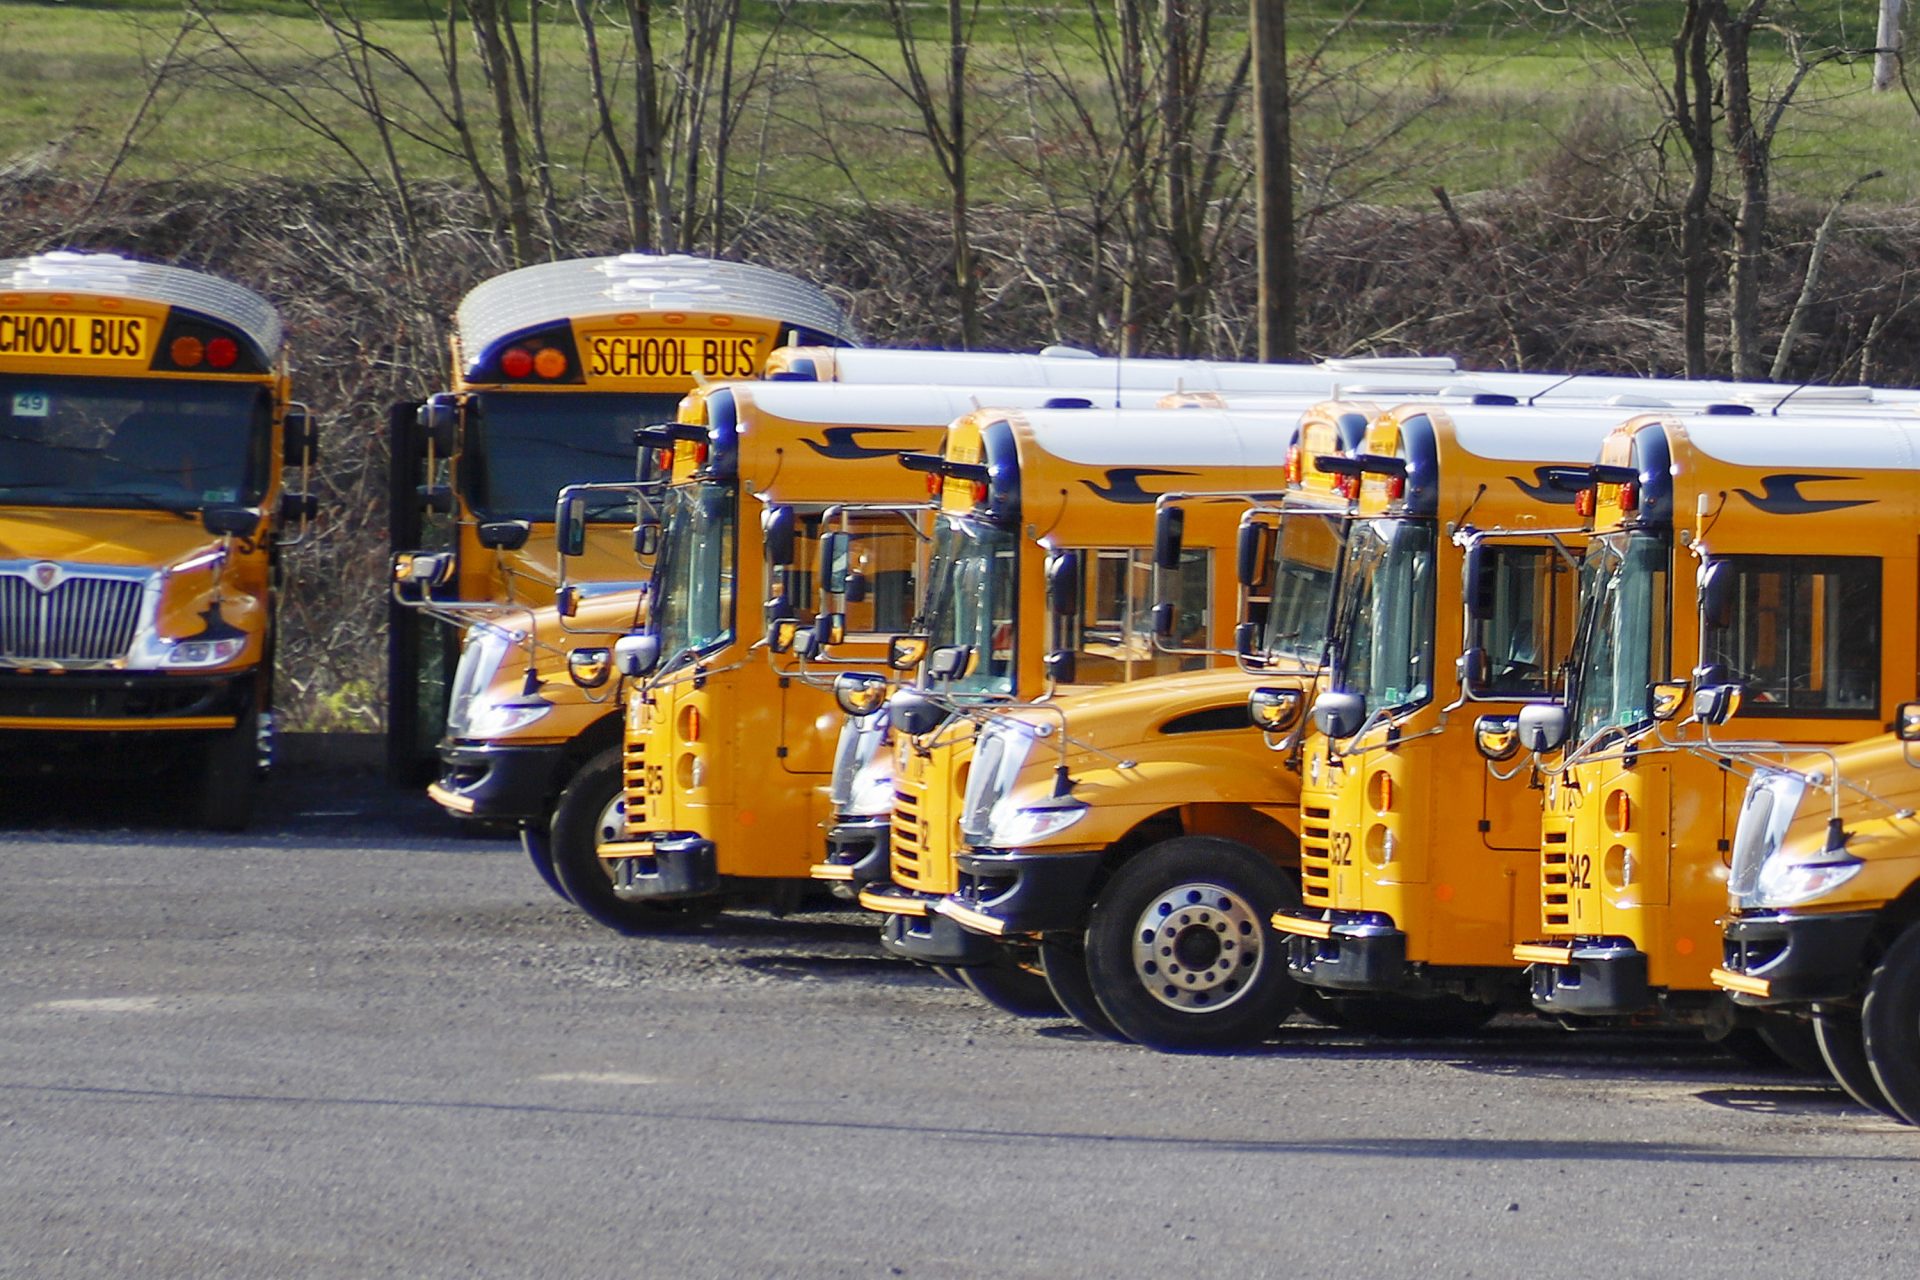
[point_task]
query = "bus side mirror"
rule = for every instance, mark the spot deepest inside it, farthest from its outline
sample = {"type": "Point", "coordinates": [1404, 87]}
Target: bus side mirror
{"type": "Point", "coordinates": [914, 713]}
{"type": "Point", "coordinates": [421, 569]}
{"type": "Point", "coordinates": [1169, 530]}
{"type": "Point", "coordinates": [1339, 715]}
{"type": "Point", "coordinates": [635, 656]}
{"type": "Point", "coordinates": [829, 629]}
{"type": "Point", "coordinates": [646, 537]}
{"type": "Point", "coordinates": [951, 662]}
{"type": "Point", "coordinates": [437, 498]}
{"type": "Point", "coordinates": [836, 551]}
{"type": "Point", "coordinates": [1059, 666]}
{"type": "Point", "coordinates": [570, 523]}
{"type": "Point", "coordinates": [1716, 594]}
{"type": "Point", "coordinates": [1716, 703]}
{"type": "Point", "coordinates": [229, 521]}
{"type": "Point", "coordinates": [859, 693]}
{"type": "Point", "coordinates": [296, 507]}
{"type": "Point", "coordinates": [1246, 637]}
{"type": "Point", "coordinates": [1472, 669]}
{"type": "Point", "coordinates": [1497, 737]}
{"type": "Point", "coordinates": [781, 633]}
{"type": "Point", "coordinates": [1476, 580]}
{"type": "Point", "coordinates": [1253, 552]}
{"type": "Point", "coordinates": [906, 652]}
{"type": "Point", "coordinates": [504, 535]}
{"type": "Point", "coordinates": [439, 420]}
{"type": "Point", "coordinates": [1063, 584]}
{"type": "Point", "coordinates": [1542, 727]}
{"type": "Point", "coordinates": [1275, 709]}
{"type": "Point", "coordinates": [1164, 615]}
{"type": "Point", "coordinates": [298, 439]}
{"type": "Point", "coordinates": [1906, 722]}
{"type": "Point", "coordinates": [566, 601]}
{"type": "Point", "coordinates": [590, 668]}
{"type": "Point", "coordinates": [1669, 699]}
{"type": "Point", "coordinates": [776, 532]}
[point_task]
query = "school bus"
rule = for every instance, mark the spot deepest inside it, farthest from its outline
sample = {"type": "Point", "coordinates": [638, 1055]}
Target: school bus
{"type": "Point", "coordinates": [1824, 908]}
{"type": "Point", "coordinates": [1041, 592]}
{"type": "Point", "coordinates": [1092, 796]}
{"type": "Point", "coordinates": [146, 427]}
{"type": "Point", "coordinates": [1723, 556]}
{"type": "Point", "coordinates": [729, 732]}
{"type": "Point", "coordinates": [1415, 887]}
{"type": "Point", "coordinates": [554, 368]}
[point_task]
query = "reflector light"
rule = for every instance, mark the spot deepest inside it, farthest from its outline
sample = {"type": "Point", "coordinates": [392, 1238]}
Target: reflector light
{"type": "Point", "coordinates": [550, 363]}
{"type": "Point", "coordinates": [1629, 497]}
{"type": "Point", "coordinates": [516, 362]}
{"type": "Point", "coordinates": [1293, 465]}
{"type": "Point", "coordinates": [933, 484]}
{"type": "Point", "coordinates": [663, 458]}
{"type": "Point", "coordinates": [1583, 502]}
{"type": "Point", "coordinates": [979, 491]}
{"type": "Point", "coordinates": [222, 352]}
{"type": "Point", "coordinates": [1396, 486]}
{"type": "Point", "coordinates": [187, 352]}
{"type": "Point", "coordinates": [700, 452]}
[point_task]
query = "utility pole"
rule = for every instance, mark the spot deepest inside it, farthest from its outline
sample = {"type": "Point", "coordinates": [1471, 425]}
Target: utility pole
{"type": "Point", "coordinates": [1273, 180]}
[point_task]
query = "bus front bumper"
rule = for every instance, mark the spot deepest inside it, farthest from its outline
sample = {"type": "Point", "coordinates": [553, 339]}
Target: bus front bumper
{"type": "Point", "coordinates": [1779, 958]}
{"type": "Point", "coordinates": [1344, 950]}
{"type": "Point", "coordinates": [1589, 977]}
{"type": "Point", "coordinates": [1004, 892]}
{"type": "Point", "coordinates": [913, 930]}
{"type": "Point", "coordinates": [485, 780]}
{"type": "Point", "coordinates": [663, 864]}
{"type": "Point", "coordinates": [857, 850]}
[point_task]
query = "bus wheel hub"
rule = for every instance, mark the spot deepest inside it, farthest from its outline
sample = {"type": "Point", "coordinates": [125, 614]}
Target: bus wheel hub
{"type": "Point", "coordinates": [1197, 947]}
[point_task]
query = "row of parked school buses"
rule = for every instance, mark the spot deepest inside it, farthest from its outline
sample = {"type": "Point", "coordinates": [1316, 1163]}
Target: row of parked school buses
{"type": "Point", "coordinates": [1172, 696]}
{"type": "Point", "coordinates": [1167, 695]}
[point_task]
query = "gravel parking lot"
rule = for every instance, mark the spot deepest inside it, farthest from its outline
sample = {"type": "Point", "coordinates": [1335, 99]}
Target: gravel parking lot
{"type": "Point", "coordinates": [353, 1042]}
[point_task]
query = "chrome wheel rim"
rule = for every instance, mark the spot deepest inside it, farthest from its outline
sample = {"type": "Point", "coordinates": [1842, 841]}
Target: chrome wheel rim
{"type": "Point", "coordinates": [1198, 947]}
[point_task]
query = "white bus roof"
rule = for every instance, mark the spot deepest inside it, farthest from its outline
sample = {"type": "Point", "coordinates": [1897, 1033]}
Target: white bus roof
{"type": "Point", "coordinates": [110, 275]}
{"type": "Point", "coordinates": [836, 403]}
{"type": "Point", "coordinates": [549, 293]}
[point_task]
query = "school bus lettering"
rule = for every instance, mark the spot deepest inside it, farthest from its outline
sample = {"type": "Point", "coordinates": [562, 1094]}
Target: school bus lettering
{"type": "Point", "coordinates": [72, 337]}
{"type": "Point", "coordinates": [672, 355]}
{"type": "Point", "coordinates": [1343, 848]}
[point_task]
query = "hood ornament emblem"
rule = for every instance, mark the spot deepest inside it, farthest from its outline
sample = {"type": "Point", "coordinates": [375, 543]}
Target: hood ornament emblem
{"type": "Point", "coordinates": [45, 576]}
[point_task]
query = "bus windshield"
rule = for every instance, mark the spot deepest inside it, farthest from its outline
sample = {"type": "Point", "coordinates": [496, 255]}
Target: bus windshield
{"type": "Point", "coordinates": [171, 445]}
{"type": "Point", "coordinates": [525, 446]}
{"type": "Point", "coordinates": [1306, 558]}
{"type": "Point", "coordinates": [1384, 637]}
{"type": "Point", "coordinates": [970, 600]}
{"type": "Point", "coordinates": [1623, 632]}
{"type": "Point", "coordinates": [693, 587]}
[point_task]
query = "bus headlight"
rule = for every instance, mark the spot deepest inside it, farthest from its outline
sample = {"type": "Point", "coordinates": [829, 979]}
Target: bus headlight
{"type": "Point", "coordinates": [205, 653]}
{"type": "Point", "coordinates": [1787, 880]}
{"type": "Point", "coordinates": [1772, 798]}
{"type": "Point", "coordinates": [489, 719]}
{"type": "Point", "coordinates": [1012, 828]}
{"type": "Point", "coordinates": [872, 794]}
{"type": "Point", "coordinates": [998, 753]}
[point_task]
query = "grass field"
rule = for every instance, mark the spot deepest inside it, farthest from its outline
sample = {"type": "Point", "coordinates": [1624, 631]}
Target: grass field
{"type": "Point", "coordinates": [1480, 104]}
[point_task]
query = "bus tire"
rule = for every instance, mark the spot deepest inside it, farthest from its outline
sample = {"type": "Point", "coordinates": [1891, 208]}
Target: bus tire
{"type": "Point", "coordinates": [1179, 950]}
{"type": "Point", "coordinates": [1063, 959]}
{"type": "Point", "coordinates": [1843, 1046]}
{"type": "Point", "coordinates": [591, 809]}
{"type": "Point", "coordinates": [1791, 1041]}
{"type": "Point", "coordinates": [536, 840]}
{"type": "Point", "coordinates": [228, 779]}
{"type": "Point", "coordinates": [1014, 983]}
{"type": "Point", "coordinates": [1890, 1023]}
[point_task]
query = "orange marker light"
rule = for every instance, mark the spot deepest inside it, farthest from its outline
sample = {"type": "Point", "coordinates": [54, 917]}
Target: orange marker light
{"type": "Point", "coordinates": [187, 352]}
{"type": "Point", "coordinates": [550, 363]}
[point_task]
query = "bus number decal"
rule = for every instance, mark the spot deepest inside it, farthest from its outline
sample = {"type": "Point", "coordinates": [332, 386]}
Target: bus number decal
{"type": "Point", "coordinates": [27, 333]}
{"type": "Point", "coordinates": [1343, 848]}
{"type": "Point", "coordinates": [31, 404]}
{"type": "Point", "coordinates": [1580, 871]}
{"type": "Point", "coordinates": [672, 355]}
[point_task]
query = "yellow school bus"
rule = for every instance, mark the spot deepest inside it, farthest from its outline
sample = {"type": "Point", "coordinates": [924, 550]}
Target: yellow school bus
{"type": "Point", "coordinates": [729, 733]}
{"type": "Point", "coordinates": [1752, 559]}
{"type": "Point", "coordinates": [1824, 908]}
{"type": "Point", "coordinates": [1102, 785]}
{"type": "Point", "coordinates": [1416, 884]}
{"type": "Point", "coordinates": [145, 429]}
{"type": "Point", "coordinates": [554, 368]}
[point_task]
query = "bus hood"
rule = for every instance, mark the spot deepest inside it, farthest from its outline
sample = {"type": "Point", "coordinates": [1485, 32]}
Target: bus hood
{"type": "Point", "coordinates": [77, 535]}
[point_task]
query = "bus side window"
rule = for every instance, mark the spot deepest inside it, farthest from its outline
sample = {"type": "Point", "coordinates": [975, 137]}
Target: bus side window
{"type": "Point", "coordinates": [1803, 635]}
{"type": "Point", "coordinates": [1531, 623]}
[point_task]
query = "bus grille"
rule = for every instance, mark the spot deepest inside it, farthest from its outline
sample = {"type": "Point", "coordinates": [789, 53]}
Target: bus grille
{"type": "Point", "coordinates": [633, 782]}
{"type": "Point", "coordinates": [1316, 856]}
{"type": "Point", "coordinates": [907, 856]}
{"type": "Point", "coordinates": [84, 618]}
{"type": "Point", "coordinates": [1555, 891]}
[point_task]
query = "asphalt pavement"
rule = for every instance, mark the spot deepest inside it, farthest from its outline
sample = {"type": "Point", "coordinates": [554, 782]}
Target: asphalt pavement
{"type": "Point", "coordinates": [353, 1042]}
